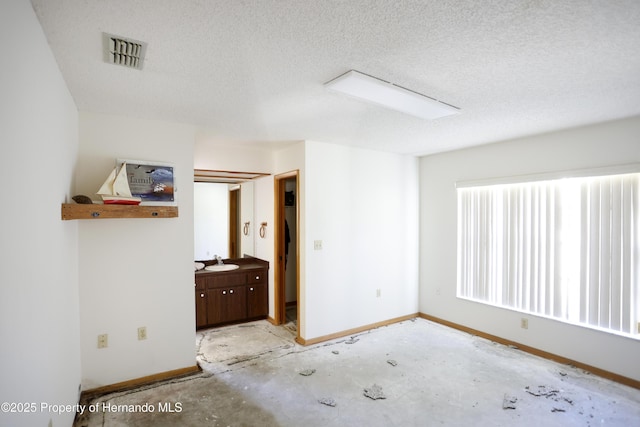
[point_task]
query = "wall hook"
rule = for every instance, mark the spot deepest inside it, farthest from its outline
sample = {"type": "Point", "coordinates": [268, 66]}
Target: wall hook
{"type": "Point", "coordinates": [245, 229]}
{"type": "Point", "coordinates": [263, 229]}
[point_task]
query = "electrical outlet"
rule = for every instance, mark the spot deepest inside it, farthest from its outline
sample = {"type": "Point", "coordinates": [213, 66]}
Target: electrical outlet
{"type": "Point", "coordinates": [142, 333]}
{"type": "Point", "coordinates": [103, 341]}
{"type": "Point", "coordinates": [317, 245]}
{"type": "Point", "coordinates": [524, 323]}
{"type": "Point", "coordinates": [378, 293]}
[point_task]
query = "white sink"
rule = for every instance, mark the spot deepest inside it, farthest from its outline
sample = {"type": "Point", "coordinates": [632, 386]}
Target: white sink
{"type": "Point", "coordinates": [222, 267]}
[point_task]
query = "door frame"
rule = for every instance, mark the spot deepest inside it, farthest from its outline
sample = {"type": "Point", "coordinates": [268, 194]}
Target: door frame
{"type": "Point", "coordinates": [279, 244]}
{"type": "Point", "coordinates": [234, 215]}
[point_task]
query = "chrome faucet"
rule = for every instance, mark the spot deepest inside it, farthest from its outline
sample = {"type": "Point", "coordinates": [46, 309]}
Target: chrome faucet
{"type": "Point", "coordinates": [219, 259]}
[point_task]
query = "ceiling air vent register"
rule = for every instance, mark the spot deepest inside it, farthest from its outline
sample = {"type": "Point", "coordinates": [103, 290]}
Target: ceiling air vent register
{"type": "Point", "coordinates": [123, 51]}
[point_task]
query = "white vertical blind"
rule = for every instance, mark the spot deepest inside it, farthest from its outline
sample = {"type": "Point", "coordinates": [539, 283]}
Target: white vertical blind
{"type": "Point", "coordinates": [564, 248]}
{"type": "Point", "coordinates": [609, 261]}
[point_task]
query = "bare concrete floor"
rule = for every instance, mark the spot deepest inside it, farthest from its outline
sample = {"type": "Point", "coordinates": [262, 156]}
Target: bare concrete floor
{"type": "Point", "coordinates": [422, 373]}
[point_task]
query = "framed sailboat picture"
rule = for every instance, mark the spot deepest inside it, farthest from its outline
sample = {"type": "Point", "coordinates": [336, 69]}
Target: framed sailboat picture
{"type": "Point", "coordinates": [153, 182]}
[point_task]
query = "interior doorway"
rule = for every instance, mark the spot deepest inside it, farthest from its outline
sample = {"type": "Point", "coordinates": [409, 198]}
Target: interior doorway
{"type": "Point", "coordinates": [287, 251]}
{"type": "Point", "coordinates": [234, 221]}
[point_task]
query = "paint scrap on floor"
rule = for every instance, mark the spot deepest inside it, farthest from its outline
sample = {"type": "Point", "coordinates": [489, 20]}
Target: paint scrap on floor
{"type": "Point", "coordinates": [327, 401]}
{"type": "Point", "coordinates": [542, 390]}
{"type": "Point", "coordinates": [374, 392]}
{"type": "Point", "coordinates": [307, 372]}
{"type": "Point", "coordinates": [392, 362]}
{"type": "Point", "coordinates": [509, 402]}
{"type": "Point", "coordinates": [552, 393]}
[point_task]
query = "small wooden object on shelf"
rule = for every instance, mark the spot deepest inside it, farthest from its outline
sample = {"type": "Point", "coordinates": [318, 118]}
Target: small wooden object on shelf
{"type": "Point", "coordinates": [97, 211]}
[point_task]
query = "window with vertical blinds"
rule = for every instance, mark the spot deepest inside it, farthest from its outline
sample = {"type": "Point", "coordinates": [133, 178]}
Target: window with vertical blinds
{"type": "Point", "coordinates": [561, 248]}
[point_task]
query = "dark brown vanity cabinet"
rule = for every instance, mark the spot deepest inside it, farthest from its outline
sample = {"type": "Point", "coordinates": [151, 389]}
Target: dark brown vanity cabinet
{"type": "Point", "coordinates": [231, 296]}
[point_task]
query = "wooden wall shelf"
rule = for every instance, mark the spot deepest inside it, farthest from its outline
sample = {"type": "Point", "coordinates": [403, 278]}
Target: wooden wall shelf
{"type": "Point", "coordinates": [96, 211]}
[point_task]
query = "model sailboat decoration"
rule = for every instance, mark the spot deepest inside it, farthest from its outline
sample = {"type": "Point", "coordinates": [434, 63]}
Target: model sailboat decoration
{"type": "Point", "coordinates": [115, 190]}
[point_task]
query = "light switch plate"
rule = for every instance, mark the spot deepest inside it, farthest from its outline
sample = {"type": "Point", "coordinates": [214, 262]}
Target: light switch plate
{"type": "Point", "coordinates": [142, 333]}
{"type": "Point", "coordinates": [103, 341]}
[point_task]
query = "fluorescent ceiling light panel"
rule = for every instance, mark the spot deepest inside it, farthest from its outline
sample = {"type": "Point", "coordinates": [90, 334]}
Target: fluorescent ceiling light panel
{"type": "Point", "coordinates": [391, 96]}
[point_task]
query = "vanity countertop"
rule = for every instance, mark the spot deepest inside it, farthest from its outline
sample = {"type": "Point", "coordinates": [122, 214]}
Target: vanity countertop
{"type": "Point", "coordinates": [244, 264]}
{"type": "Point", "coordinates": [241, 267]}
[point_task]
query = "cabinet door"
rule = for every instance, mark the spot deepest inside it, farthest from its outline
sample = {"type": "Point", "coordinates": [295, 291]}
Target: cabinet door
{"type": "Point", "coordinates": [236, 304]}
{"type": "Point", "coordinates": [215, 303]}
{"type": "Point", "coordinates": [201, 309]}
{"type": "Point", "coordinates": [226, 304]}
{"type": "Point", "coordinates": [257, 300]}
{"type": "Point", "coordinates": [201, 301]}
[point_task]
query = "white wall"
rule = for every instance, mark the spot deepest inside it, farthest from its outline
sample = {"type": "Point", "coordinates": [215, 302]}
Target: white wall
{"type": "Point", "coordinates": [136, 272]}
{"type": "Point", "coordinates": [588, 147]}
{"type": "Point", "coordinates": [363, 206]}
{"type": "Point", "coordinates": [247, 246]}
{"type": "Point", "coordinates": [208, 155]}
{"type": "Point", "coordinates": [39, 321]}
{"type": "Point", "coordinates": [263, 198]}
{"type": "Point", "coordinates": [211, 220]}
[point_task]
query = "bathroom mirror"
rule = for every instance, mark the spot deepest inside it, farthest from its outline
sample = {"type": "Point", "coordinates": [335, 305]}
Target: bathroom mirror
{"type": "Point", "coordinates": [223, 220]}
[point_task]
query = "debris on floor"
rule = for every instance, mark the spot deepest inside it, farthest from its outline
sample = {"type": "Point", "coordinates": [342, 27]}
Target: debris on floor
{"type": "Point", "coordinates": [552, 393]}
{"type": "Point", "coordinates": [242, 358]}
{"type": "Point", "coordinates": [542, 390]}
{"type": "Point", "coordinates": [374, 392]}
{"type": "Point", "coordinates": [509, 402]}
{"type": "Point", "coordinates": [351, 340]}
{"type": "Point", "coordinates": [335, 352]}
{"type": "Point", "coordinates": [392, 362]}
{"type": "Point", "coordinates": [424, 384]}
{"type": "Point", "coordinates": [307, 372]}
{"type": "Point", "coordinates": [327, 401]}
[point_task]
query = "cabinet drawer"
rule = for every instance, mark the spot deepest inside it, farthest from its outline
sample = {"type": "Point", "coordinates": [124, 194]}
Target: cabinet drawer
{"type": "Point", "coordinates": [226, 280]}
{"type": "Point", "coordinates": [258, 276]}
{"type": "Point", "coordinates": [200, 283]}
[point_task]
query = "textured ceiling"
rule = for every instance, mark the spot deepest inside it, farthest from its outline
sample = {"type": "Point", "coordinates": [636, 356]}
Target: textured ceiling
{"type": "Point", "coordinates": [252, 72]}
